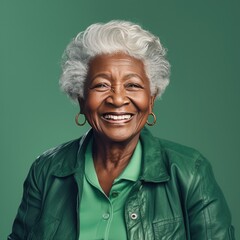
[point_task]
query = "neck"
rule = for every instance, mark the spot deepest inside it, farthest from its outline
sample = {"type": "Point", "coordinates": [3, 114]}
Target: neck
{"type": "Point", "coordinates": [110, 159]}
{"type": "Point", "coordinates": [110, 155]}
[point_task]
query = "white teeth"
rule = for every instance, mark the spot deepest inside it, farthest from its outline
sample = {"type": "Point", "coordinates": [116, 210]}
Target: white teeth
{"type": "Point", "coordinates": [119, 117]}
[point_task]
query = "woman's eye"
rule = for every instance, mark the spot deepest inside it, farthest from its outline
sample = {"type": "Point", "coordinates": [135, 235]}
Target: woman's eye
{"type": "Point", "coordinates": [134, 86]}
{"type": "Point", "coordinates": [101, 87]}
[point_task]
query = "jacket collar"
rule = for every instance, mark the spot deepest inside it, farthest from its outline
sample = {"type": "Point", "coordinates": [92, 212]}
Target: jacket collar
{"type": "Point", "coordinates": [72, 158]}
{"type": "Point", "coordinates": [153, 165]}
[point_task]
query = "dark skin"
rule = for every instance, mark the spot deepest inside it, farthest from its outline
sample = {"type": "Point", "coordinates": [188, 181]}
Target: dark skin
{"type": "Point", "coordinates": [117, 104]}
{"type": "Point", "coordinates": [115, 161]}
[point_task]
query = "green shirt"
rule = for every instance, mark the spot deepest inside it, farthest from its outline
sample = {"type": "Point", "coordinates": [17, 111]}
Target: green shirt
{"type": "Point", "coordinates": [102, 217]}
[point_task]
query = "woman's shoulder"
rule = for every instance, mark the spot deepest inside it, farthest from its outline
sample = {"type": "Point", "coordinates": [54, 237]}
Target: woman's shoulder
{"type": "Point", "coordinates": [172, 155]}
{"type": "Point", "coordinates": [171, 151]}
{"type": "Point", "coordinates": [179, 150]}
{"type": "Point", "coordinates": [57, 159]}
{"type": "Point", "coordinates": [184, 158]}
{"type": "Point", "coordinates": [59, 151]}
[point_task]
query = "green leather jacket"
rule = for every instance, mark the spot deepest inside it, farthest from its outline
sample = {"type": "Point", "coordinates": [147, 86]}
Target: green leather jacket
{"type": "Point", "coordinates": [175, 198]}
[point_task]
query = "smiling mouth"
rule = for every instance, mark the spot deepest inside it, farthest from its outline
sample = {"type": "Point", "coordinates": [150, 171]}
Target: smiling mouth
{"type": "Point", "coordinates": [119, 117]}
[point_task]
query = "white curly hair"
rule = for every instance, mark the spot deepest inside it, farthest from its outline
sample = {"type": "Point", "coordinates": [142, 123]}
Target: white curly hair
{"type": "Point", "coordinates": [109, 38]}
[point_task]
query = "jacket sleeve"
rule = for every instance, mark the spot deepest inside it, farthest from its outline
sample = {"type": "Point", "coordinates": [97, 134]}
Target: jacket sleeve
{"type": "Point", "coordinates": [29, 209]}
{"type": "Point", "coordinates": [208, 213]}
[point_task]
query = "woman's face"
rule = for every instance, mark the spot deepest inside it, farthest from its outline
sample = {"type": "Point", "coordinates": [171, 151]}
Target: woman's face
{"type": "Point", "coordinates": [117, 97]}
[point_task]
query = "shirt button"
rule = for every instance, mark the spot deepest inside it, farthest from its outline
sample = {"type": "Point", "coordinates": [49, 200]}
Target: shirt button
{"type": "Point", "coordinates": [133, 216]}
{"type": "Point", "coordinates": [106, 216]}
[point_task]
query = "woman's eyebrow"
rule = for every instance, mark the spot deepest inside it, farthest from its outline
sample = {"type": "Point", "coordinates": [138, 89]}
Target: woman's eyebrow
{"type": "Point", "coordinates": [108, 76]}
{"type": "Point", "coordinates": [101, 75]}
{"type": "Point", "coordinates": [132, 75]}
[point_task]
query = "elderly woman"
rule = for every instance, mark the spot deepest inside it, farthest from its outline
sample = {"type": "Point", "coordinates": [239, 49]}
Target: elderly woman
{"type": "Point", "coordinates": [118, 181]}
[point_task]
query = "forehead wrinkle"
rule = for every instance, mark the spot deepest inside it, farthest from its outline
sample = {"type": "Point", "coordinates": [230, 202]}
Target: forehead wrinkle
{"type": "Point", "coordinates": [101, 75]}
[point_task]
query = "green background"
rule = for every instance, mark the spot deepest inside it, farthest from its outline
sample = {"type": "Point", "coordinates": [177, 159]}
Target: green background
{"type": "Point", "coordinates": [201, 107]}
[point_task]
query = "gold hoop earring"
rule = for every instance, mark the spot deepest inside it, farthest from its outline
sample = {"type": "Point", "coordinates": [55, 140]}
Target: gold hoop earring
{"type": "Point", "coordinates": [154, 119]}
{"type": "Point", "coordinates": [76, 120]}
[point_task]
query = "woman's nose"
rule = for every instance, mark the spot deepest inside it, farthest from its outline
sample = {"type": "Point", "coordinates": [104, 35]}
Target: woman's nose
{"type": "Point", "coordinates": [117, 96]}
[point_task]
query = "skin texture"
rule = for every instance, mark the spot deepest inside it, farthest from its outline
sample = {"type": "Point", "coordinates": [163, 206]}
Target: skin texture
{"type": "Point", "coordinates": [117, 104]}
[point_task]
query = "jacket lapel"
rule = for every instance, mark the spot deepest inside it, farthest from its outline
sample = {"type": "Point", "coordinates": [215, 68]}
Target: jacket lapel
{"type": "Point", "coordinates": [154, 167]}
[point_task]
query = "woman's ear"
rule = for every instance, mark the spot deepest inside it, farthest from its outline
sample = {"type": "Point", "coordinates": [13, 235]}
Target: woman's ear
{"type": "Point", "coordinates": [81, 103]}
{"type": "Point", "coordinates": [152, 101]}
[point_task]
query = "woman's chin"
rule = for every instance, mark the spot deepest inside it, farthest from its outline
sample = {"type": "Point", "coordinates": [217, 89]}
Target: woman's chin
{"type": "Point", "coordinates": [119, 134]}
